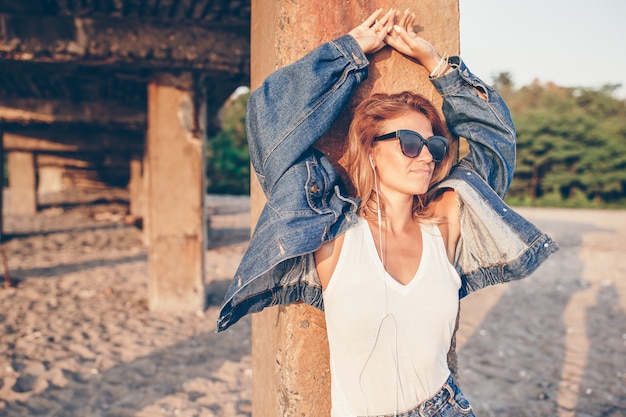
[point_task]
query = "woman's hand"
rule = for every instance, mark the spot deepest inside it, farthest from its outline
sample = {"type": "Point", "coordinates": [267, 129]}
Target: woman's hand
{"type": "Point", "coordinates": [404, 40]}
{"type": "Point", "coordinates": [371, 34]}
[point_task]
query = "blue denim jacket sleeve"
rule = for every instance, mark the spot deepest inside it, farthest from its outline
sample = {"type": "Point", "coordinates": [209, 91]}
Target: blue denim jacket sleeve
{"type": "Point", "coordinates": [485, 122]}
{"type": "Point", "coordinates": [298, 103]}
{"type": "Point", "coordinates": [496, 244]}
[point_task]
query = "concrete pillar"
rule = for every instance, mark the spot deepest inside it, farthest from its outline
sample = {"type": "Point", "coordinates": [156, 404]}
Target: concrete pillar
{"type": "Point", "coordinates": [1, 183]}
{"type": "Point", "coordinates": [22, 182]}
{"type": "Point", "coordinates": [290, 350]}
{"type": "Point", "coordinates": [145, 219]}
{"type": "Point", "coordinates": [175, 192]}
{"type": "Point", "coordinates": [135, 186]}
{"type": "Point", "coordinates": [50, 179]}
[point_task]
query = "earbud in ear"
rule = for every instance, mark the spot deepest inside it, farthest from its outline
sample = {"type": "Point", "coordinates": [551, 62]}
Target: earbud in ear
{"type": "Point", "coordinates": [372, 162]}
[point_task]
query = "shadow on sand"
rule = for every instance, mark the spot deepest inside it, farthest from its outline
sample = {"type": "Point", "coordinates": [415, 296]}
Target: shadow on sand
{"type": "Point", "coordinates": [128, 388]}
{"type": "Point", "coordinates": [526, 359]}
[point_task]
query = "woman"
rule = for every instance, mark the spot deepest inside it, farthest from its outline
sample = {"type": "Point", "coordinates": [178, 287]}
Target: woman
{"type": "Point", "coordinates": [380, 262]}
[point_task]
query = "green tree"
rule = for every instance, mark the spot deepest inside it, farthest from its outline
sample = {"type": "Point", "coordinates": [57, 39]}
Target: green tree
{"type": "Point", "coordinates": [228, 157]}
{"type": "Point", "coordinates": [571, 146]}
{"type": "Point", "coordinates": [503, 82]}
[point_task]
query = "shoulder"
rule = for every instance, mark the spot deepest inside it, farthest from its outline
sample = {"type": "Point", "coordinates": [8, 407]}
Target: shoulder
{"type": "Point", "coordinates": [447, 208]}
{"type": "Point", "coordinates": [446, 203]}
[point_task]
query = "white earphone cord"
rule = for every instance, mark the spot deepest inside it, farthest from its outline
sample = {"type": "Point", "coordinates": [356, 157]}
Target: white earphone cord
{"type": "Point", "coordinates": [386, 315]}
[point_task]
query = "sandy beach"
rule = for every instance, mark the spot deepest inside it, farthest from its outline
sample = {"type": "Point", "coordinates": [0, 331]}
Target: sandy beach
{"type": "Point", "coordinates": [76, 338]}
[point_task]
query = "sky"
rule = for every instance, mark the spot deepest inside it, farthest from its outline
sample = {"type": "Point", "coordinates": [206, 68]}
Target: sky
{"type": "Point", "coordinates": [575, 43]}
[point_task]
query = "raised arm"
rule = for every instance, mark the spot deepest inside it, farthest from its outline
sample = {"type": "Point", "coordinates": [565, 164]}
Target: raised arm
{"type": "Point", "coordinates": [475, 111]}
{"type": "Point", "coordinates": [472, 108]}
{"type": "Point", "coordinates": [297, 104]}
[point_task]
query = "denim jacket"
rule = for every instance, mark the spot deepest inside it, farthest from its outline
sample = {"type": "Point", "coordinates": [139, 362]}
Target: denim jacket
{"type": "Point", "coordinates": [306, 201]}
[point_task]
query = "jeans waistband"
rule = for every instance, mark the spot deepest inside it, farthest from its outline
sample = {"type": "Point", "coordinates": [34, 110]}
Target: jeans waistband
{"type": "Point", "coordinates": [430, 406]}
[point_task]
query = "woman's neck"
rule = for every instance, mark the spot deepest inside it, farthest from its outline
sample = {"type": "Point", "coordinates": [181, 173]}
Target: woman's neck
{"type": "Point", "coordinates": [398, 214]}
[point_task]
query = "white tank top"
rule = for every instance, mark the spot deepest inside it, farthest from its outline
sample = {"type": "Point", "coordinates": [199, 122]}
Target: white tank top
{"type": "Point", "coordinates": [388, 341]}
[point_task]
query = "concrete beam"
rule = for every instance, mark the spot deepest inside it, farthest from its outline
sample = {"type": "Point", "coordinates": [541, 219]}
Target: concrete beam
{"type": "Point", "coordinates": [75, 97]}
{"type": "Point", "coordinates": [144, 43]}
{"type": "Point", "coordinates": [103, 113]}
{"type": "Point", "coordinates": [71, 139]}
{"type": "Point", "coordinates": [290, 349]}
{"type": "Point", "coordinates": [175, 195]}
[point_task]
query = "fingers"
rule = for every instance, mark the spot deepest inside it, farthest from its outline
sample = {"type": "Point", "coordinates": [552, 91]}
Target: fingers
{"type": "Point", "coordinates": [378, 29]}
{"type": "Point", "coordinates": [410, 22]}
{"type": "Point", "coordinates": [402, 33]}
{"type": "Point", "coordinates": [407, 20]}
{"type": "Point", "coordinates": [403, 19]}
{"type": "Point", "coordinates": [371, 34]}
{"type": "Point", "coordinates": [378, 22]}
{"type": "Point", "coordinates": [399, 40]}
{"type": "Point", "coordinates": [384, 24]}
{"type": "Point", "coordinates": [372, 18]}
{"type": "Point", "coordinates": [388, 18]}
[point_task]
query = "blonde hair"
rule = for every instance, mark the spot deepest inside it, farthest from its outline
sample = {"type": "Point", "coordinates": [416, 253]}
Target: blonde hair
{"type": "Point", "coordinates": [367, 123]}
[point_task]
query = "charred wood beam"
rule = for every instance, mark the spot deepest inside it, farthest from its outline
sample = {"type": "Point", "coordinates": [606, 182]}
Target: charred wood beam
{"type": "Point", "coordinates": [130, 42]}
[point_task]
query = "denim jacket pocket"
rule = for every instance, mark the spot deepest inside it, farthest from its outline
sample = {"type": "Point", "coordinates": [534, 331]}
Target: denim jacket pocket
{"type": "Point", "coordinates": [317, 187]}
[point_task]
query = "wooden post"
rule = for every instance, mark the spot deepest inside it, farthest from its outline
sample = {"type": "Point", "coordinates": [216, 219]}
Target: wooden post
{"type": "Point", "coordinates": [176, 196]}
{"type": "Point", "coordinates": [289, 345]}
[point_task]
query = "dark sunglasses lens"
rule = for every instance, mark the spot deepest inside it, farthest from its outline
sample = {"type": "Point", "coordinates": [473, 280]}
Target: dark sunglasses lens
{"type": "Point", "coordinates": [437, 146]}
{"type": "Point", "coordinates": [411, 144]}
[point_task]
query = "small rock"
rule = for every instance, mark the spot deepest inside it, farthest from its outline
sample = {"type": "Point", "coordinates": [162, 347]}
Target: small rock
{"type": "Point", "coordinates": [25, 383]}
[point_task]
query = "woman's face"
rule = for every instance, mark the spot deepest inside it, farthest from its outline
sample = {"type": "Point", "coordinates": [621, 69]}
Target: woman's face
{"type": "Point", "coordinates": [398, 173]}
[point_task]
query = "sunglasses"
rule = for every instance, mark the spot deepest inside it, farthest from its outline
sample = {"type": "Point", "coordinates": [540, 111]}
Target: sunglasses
{"type": "Point", "coordinates": [412, 143]}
